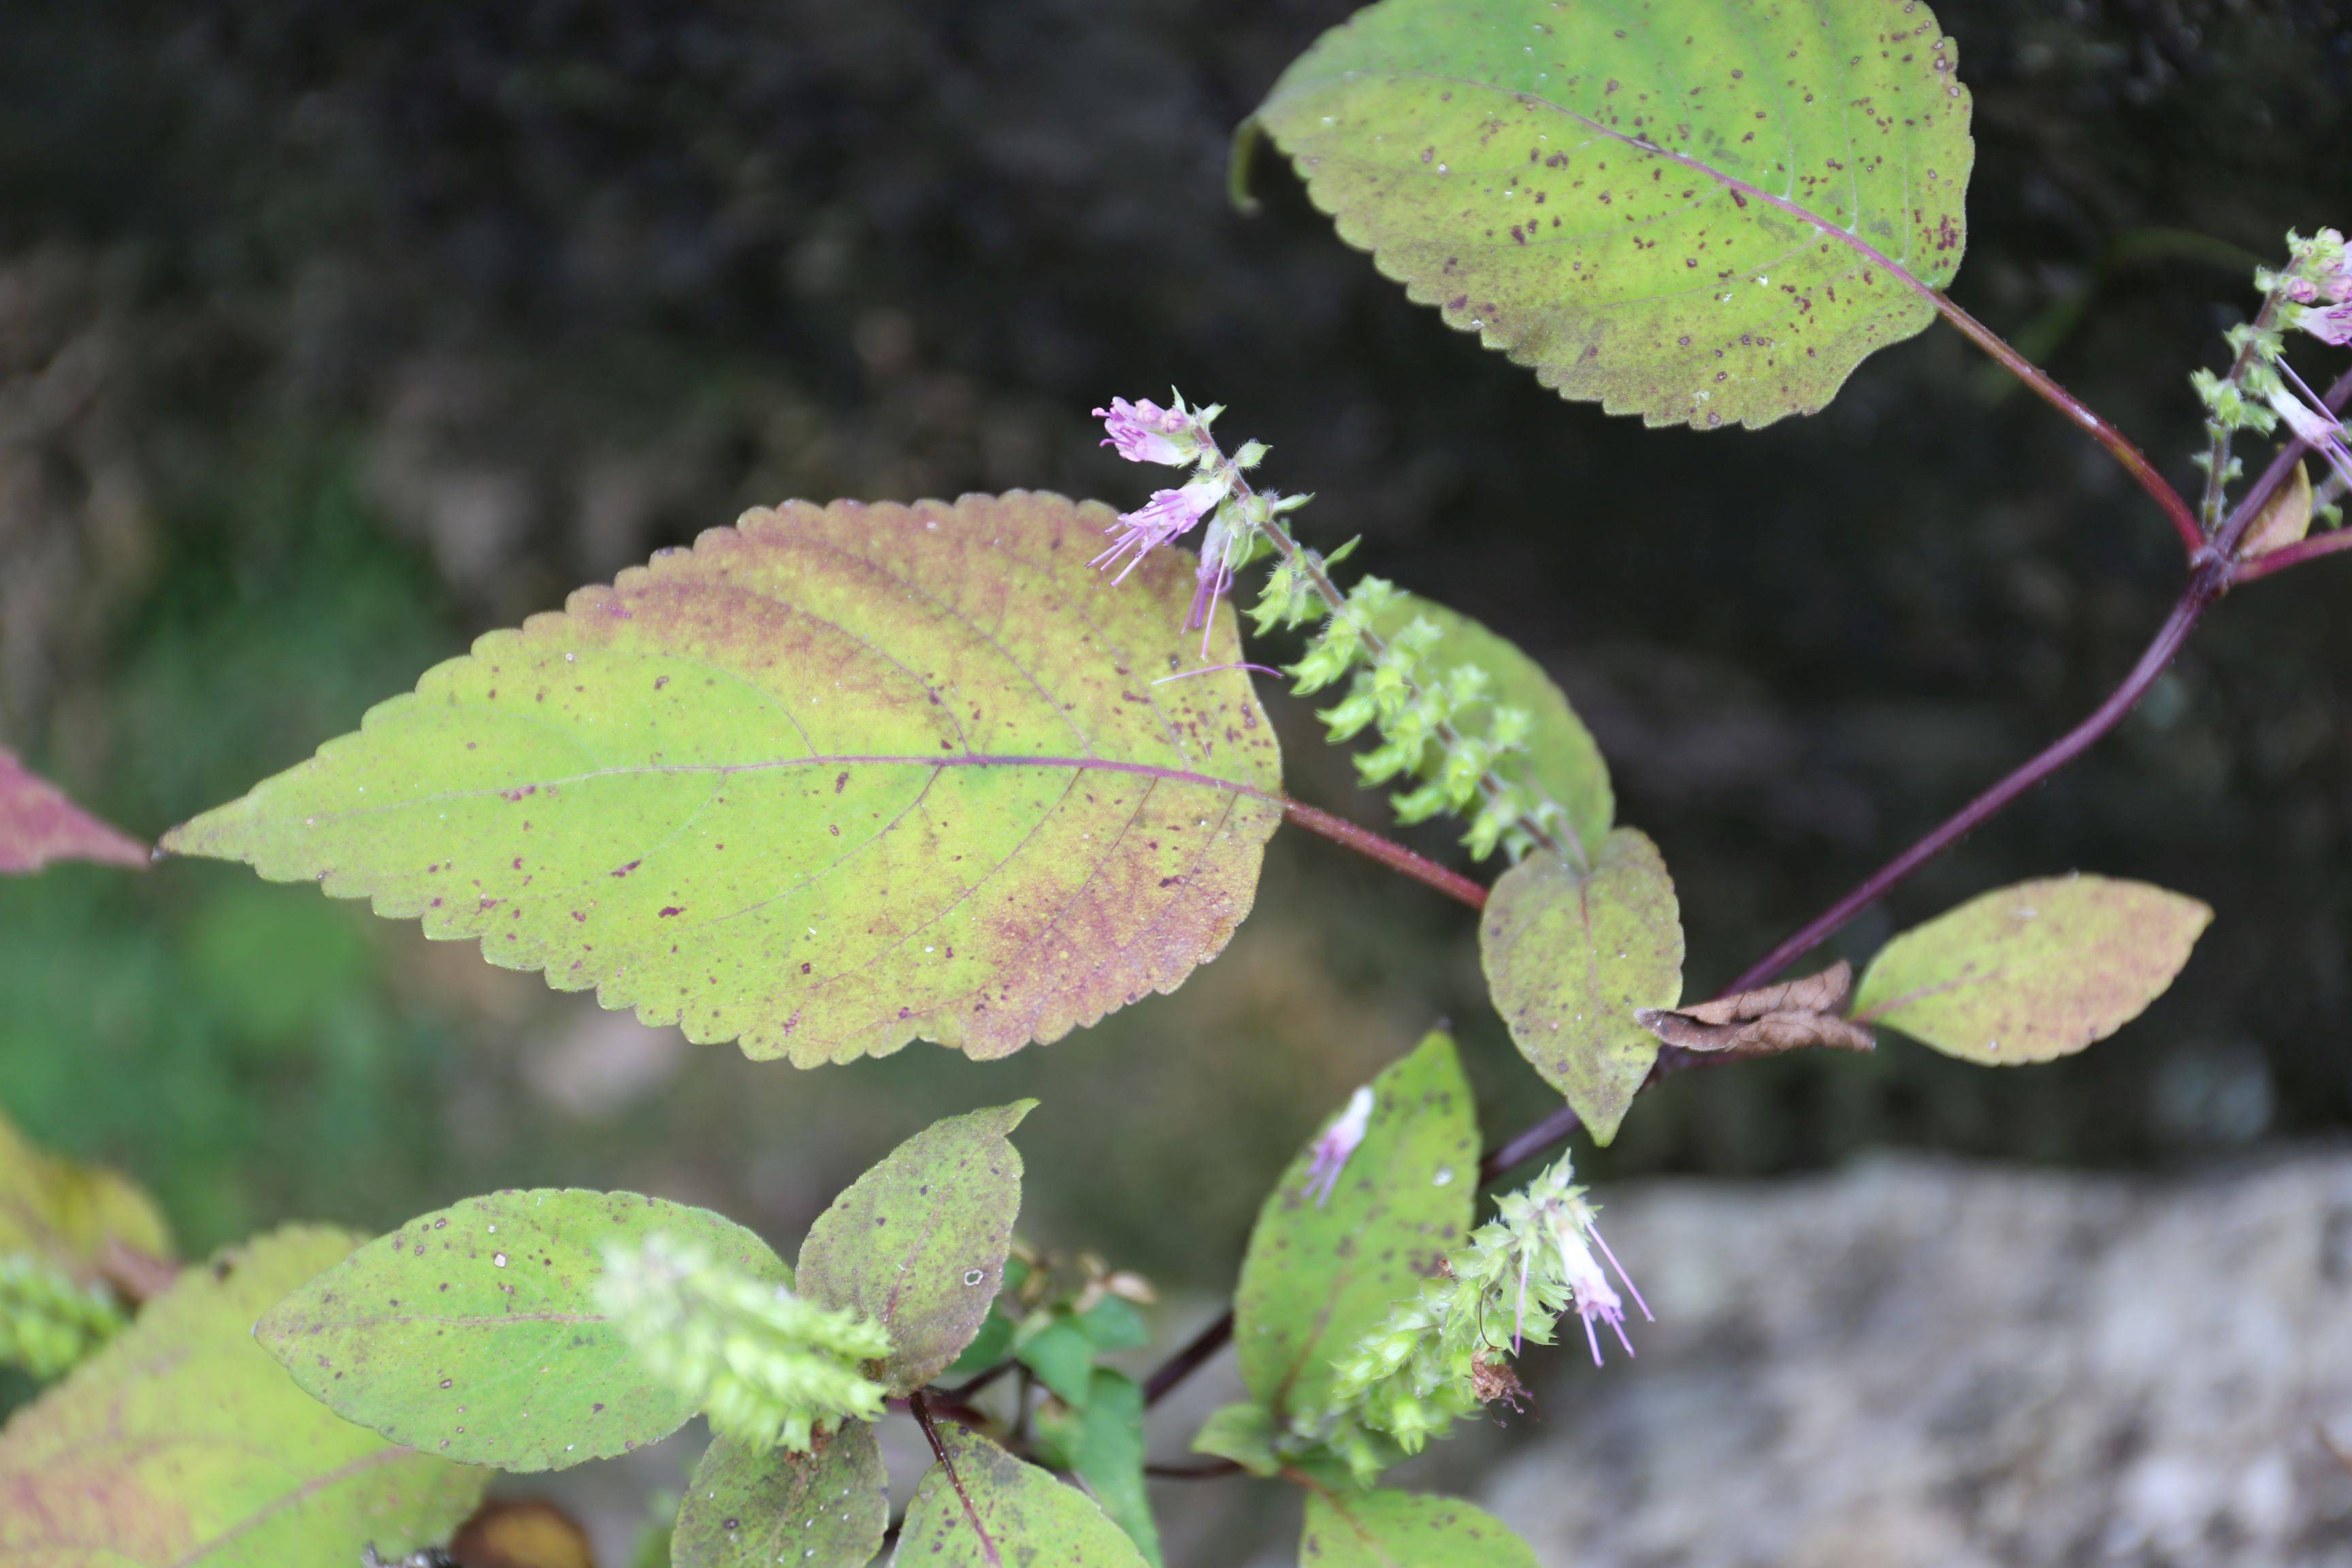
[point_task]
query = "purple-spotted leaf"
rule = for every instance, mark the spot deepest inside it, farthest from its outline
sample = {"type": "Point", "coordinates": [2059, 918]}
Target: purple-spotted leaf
{"type": "Point", "coordinates": [39, 825]}
{"type": "Point", "coordinates": [1404, 1529]}
{"type": "Point", "coordinates": [749, 1507]}
{"type": "Point", "coordinates": [918, 1242]}
{"type": "Point", "coordinates": [474, 1332]}
{"type": "Point", "coordinates": [993, 1511]}
{"type": "Point", "coordinates": [2031, 972]}
{"type": "Point", "coordinates": [1701, 213]}
{"type": "Point", "coordinates": [835, 779]}
{"type": "Point", "coordinates": [181, 1445]}
{"type": "Point", "coordinates": [1572, 959]}
{"type": "Point", "coordinates": [1325, 1265]}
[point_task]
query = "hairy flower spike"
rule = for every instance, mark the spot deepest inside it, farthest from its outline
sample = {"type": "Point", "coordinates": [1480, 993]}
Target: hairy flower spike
{"type": "Point", "coordinates": [767, 1366]}
{"type": "Point", "coordinates": [1144, 432]}
{"type": "Point", "coordinates": [1442, 1353]}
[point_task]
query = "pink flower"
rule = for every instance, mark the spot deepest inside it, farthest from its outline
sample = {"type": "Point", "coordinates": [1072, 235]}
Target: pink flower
{"type": "Point", "coordinates": [1166, 515]}
{"type": "Point", "coordinates": [2309, 418]}
{"type": "Point", "coordinates": [1146, 433]}
{"type": "Point", "coordinates": [1596, 1298]}
{"type": "Point", "coordinates": [1329, 1155]}
{"type": "Point", "coordinates": [2331, 325]}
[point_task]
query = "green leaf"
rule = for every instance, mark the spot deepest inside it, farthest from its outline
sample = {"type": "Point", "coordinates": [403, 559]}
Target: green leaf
{"type": "Point", "coordinates": [918, 1242]}
{"type": "Point", "coordinates": [753, 1507]}
{"type": "Point", "coordinates": [1063, 1357]}
{"type": "Point", "coordinates": [989, 1346]}
{"type": "Point", "coordinates": [829, 782]}
{"type": "Point", "coordinates": [1404, 1529]}
{"type": "Point", "coordinates": [1319, 1275]}
{"type": "Point", "coordinates": [2034, 970]}
{"type": "Point", "coordinates": [69, 1215]}
{"type": "Point", "coordinates": [1695, 211]}
{"type": "Point", "coordinates": [40, 824]}
{"type": "Point", "coordinates": [1243, 1433]}
{"type": "Point", "coordinates": [1102, 1444]}
{"type": "Point", "coordinates": [1114, 1325]}
{"type": "Point", "coordinates": [1561, 759]}
{"type": "Point", "coordinates": [1569, 960]}
{"type": "Point", "coordinates": [997, 1512]}
{"type": "Point", "coordinates": [474, 1331]}
{"type": "Point", "coordinates": [181, 1445]}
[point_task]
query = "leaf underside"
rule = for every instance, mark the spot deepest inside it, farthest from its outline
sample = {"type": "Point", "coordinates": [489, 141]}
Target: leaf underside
{"type": "Point", "coordinates": [918, 1242]}
{"type": "Point", "coordinates": [749, 1507]}
{"type": "Point", "coordinates": [1319, 1275]}
{"type": "Point", "coordinates": [2034, 970]}
{"type": "Point", "coordinates": [1682, 208]}
{"type": "Point", "coordinates": [1017, 1516]}
{"type": "Point", "coordinates": [835, 779]}
{"type": "Point", "coordinates": [1571, 958]}
{"type": "Point", "coordinates": [474, 1331]}
{"type": "Point", "coordinates": [181, 1445]}
{"type": "Point", "coordinates": [40, 824]}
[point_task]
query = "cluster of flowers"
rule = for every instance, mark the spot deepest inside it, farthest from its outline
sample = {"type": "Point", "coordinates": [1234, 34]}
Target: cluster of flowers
{"type": "Point", "coordinates": [2314, 295]}
{"type": "Point", "coordinates": [47, 1322]}
{"type": "Point", "coordinates": [767, 1367]}
{"type": "Point", "coordinates": [1439, 723]}
{"type": "Point", "coordinates": [1443, 1355]}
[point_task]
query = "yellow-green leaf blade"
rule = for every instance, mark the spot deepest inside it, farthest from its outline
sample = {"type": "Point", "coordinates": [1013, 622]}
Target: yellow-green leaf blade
{"type": "Point", "coordinates": [474, 1332]}
{"type": "Point", "coordinates": [1570, 958]}
{"type": "Point", "coordinates": [1684, 209]}
{"type": "Point", "coordinates": [183, 1445]}
{"type": "Point", "coordinates": [831, 780]}
{"type": "Point", "coordinates": [918, 1242]}
{"type": "Point", "coordinates": [1404, 1529]}
{"type": "Point", "coordinates": [754, 1508]}
{"type": "Point", "coordinates": [67, 1214]}
{"type": "Point", "coordinates": [1319, 1274]}
{"type": "Point", "coordinates": [1007, 1515]}
{"type": "Point", "coordinates": [2031, 972]}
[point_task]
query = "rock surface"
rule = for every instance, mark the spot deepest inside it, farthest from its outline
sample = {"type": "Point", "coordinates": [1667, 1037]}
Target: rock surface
{"type": "Point", "coordinates": [1913, 1363]}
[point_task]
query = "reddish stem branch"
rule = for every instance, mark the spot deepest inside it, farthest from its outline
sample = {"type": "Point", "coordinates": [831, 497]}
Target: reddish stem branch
{"type": "Point", "coordinates": [1387, 851]}
{"type": "Point", "coordinates": [2296, 554]}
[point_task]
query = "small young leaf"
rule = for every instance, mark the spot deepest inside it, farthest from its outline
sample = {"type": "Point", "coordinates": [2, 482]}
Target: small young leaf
{"type": "Point", "coordinates": [2034, 970]}
{"type": "Point", "coordinates": [1561, 759]}
{"type": "Point", "coordinates": [992, 1344]}
{"type": "Point", "coordinates": [918, 1242]}
{"type": "Point", "coordinates": [474, 1331]}
{"type": "Point", "coordinates": [183, 1443]}
{"type": "Point", "coordinates": [69, 1216]}
{"type": "Point", "coordinates": [1113, 1325]}
{"type": "Point", "coordinates": [832, 780]}
{"type": "Point", "coordinates": [1243, 1433]}
{"type": "Point", "coordinates": [997, 1512]}
{"type": "Point", "coordinates": [1063, 1357]}
{"type": "Point", "coordinates": [1321, 1273]}
{"type": "Point", "coordinates": [39, 825]}
{"type": "Point", "coordinates": [1102, 1444]}
{"type": "Point", "coordinates": [1572, 959]}
{"type": "Point", "coordinates": [1692, 212]}
{"type": "Point", "coordinates": [753, 1507]}
{"type": "Point", "coordinates": [1404, 1529]}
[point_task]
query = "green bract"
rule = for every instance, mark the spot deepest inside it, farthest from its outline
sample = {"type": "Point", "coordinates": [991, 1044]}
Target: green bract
{"type": "Point", "coordinates": [1570, 957]}
{"type": "Point", "coordinates": [1696, 212]}
{"type": "Point", "coordinates": [475, 1332]}
{"type": "Point", "coordinates": [2033, 970]}
{"type": "Point", "coordinates": [181, 1445]}
{"type": "Point", "coordinates": [918, 1242]}
{"type": "Point", "coordinates": [831, 780]}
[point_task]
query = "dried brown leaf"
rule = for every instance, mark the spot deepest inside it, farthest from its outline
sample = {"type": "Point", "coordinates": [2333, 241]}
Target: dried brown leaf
{"type": "Point", "coordinates": [2284, 519]}
{"type": "Point", "coordinates": [1789, 1016]}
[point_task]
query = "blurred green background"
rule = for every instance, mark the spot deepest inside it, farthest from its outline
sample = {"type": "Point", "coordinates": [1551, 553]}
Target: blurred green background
{"type": "Point", "coordinates": [333, 332]}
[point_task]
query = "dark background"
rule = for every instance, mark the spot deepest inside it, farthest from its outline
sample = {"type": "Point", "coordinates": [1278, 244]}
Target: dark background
{"type": "Point", "coordinates": [334, 332]}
